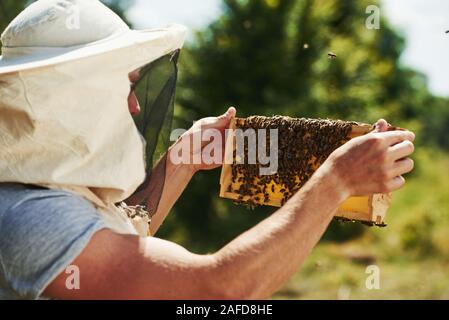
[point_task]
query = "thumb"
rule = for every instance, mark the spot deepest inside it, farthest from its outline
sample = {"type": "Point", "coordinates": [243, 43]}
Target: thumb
{"type": "Point", "coordinates": [224, 119]}
{"type": "Point", "coordinates": [381, 126]}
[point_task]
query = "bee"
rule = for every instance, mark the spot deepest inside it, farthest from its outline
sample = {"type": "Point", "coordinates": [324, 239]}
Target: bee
{"type": "Point", "coordinates": [447, 31]}
{"type": "Point", "coordinates": [331, 55]}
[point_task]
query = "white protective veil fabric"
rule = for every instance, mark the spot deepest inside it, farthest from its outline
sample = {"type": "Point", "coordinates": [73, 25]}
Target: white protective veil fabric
{"type": "Point", "coordinates": [64, 118]}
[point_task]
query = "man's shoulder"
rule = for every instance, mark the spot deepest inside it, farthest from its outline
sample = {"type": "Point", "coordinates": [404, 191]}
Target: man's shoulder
{"type": "Point", "coordinates": [15, 195]}
{"type": "Point", "coordinates": [20, 189]}
{"type": "Point", "coordinates": [36, 219]}
{"type": "Point", "coordinates": [42, 231]}
{"type": "Point", "coordinates": [20, 202]}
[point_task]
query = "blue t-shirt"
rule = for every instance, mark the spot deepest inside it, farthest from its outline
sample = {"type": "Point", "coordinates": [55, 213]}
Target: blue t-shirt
{"type": "Point", "coordinates": [42, 232]}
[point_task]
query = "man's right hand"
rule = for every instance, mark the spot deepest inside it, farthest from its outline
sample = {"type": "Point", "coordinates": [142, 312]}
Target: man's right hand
{"type": "Point", "coordinates": [375, 162]}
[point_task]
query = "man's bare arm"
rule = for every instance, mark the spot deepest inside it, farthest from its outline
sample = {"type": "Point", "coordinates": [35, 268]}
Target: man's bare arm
{"type": "Point", "coordinates": [252, 266]}
{"type": "Point", "coordinates": [258, 262]}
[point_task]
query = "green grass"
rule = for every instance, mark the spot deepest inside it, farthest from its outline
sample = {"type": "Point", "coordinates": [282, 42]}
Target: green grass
{"type": "Point", "coordinates": [412, 252]}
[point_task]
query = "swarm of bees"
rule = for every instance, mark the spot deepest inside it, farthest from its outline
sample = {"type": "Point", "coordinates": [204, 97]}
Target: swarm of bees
{"type": "Point", "coordinates": [303, 145]}
{"type": "Point", "coordinates": [135, 211]}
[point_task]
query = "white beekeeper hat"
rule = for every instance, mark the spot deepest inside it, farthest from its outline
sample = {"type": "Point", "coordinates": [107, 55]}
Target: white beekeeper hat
{"type": "Point", "coordinates": [64, 87]}
{"type": "Point", "coordinates": [50, 32]}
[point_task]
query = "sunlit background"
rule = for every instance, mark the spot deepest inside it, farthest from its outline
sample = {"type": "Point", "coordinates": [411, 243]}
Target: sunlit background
{"type": "Point", "coordinates": [422, 22]}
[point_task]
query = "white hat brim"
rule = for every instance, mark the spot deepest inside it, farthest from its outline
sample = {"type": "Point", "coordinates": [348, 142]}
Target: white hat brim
{"type": "Point", "coordinates": [166, 39]}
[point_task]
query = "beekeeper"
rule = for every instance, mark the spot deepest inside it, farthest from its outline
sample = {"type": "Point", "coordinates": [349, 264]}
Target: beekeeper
{"type": "Point", "coordinates": [85, 103]}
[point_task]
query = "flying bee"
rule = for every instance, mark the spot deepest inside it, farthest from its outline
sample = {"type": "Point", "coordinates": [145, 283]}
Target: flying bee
{"type": "Point", "coordinates": [331, 55]}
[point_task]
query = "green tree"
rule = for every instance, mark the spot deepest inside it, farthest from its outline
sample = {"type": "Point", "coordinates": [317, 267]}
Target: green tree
{"type": "Point", "coordinates": [271, 56]}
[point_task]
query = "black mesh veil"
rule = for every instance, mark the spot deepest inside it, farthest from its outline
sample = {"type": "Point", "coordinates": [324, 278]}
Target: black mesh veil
{"type": "Point", "coordinates": [155, 90]}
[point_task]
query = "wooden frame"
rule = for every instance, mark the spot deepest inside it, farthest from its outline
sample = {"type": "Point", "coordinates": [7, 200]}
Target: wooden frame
{"type": "Point", "coordinates": [371, 209]}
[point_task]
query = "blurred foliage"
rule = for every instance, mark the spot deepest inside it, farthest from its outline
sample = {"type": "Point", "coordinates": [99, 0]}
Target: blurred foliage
{"type": "Point", "coordinates": [271, 57]}
{"type": "Point", "coordinates": [417, 235]}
